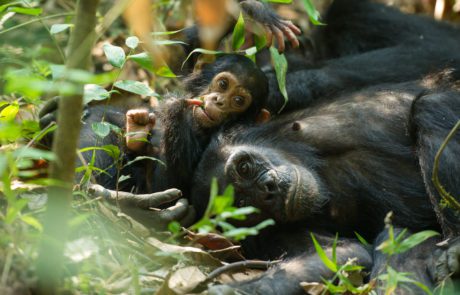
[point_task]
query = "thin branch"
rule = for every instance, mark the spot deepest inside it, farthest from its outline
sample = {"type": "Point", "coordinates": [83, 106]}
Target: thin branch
{"type": "Point", "coordinates": [241, 265]}
{"type": "Point", "coordinates": [446, 196]}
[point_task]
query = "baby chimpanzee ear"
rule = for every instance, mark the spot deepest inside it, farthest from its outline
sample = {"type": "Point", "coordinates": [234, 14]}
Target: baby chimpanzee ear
{"type": "Point", "coordinates": [263, 116]}
{"type": "Point", "coordinates": [203, 60]}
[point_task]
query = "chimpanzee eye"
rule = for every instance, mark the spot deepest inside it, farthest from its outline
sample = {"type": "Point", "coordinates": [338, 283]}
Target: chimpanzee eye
{"type": "Point", "coordinates": [239, 101]}
{"type": "Point", "coordinates": [223, 84]}
{"type": "Point", "coordinates": [244, 169]}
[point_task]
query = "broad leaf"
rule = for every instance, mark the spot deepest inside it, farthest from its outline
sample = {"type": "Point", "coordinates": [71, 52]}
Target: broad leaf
{"type": "Point", "coordinates": [57, 28]}
{"type": "Point", "coordinates": [115, 55]}
{"type": "Point", "coordinates": [132, 42]}
{"type": "Point", "coordinates": [280, 65]}
{"type": "Point", "coordinates": [202, 51]}
{"type": "Point", "coordinates": [280, 1]}
{"type": "Point", "coordinates": [238, 33]}
{"type": "Point", "coordinates": [94, 92]}
{"type": "Point", "coordinates": [27, 11]}
{"type": "Point", "coordinates": [143, 59]}
{"type": "Point", "coordinates": [135, 87]}
{"type": "Point", "coordinates": [102, 129]}
{"type": "Point", "coordinates": [9, 112]}
{"type": "Point", "coordinates": [313, 14]}
{"type": "Point", "coordinates": [165, 71]}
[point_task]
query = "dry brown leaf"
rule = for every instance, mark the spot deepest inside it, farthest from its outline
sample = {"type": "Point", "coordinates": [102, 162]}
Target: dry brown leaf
{"type": "Point", "coordinates": [186, 279]}
{"type": "Point", "coordinates": [313, 288]}
{"type": "Point", "coordinates": [198, 255]}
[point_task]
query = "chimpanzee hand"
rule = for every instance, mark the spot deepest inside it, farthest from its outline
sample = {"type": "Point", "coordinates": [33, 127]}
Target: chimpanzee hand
{"type": "Point", "coordinates": [272, 23]}
{"type": "Point", "coordinates": [47, 114]}
{"type": "Point", "coordinates": [448, 263]}
{"type": "Point", "coordinates": [144, 207]}
{"type": "Point", "coordinates": [139, 123]}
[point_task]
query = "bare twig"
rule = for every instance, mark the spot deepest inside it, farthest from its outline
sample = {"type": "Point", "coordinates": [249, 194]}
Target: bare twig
{"type": "Point", "coordinates": [446, 196]}
{"type": "Point", "coordinates": [241, 265]}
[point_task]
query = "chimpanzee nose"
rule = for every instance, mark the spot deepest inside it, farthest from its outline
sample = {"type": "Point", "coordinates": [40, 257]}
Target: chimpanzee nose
{"type": "Point", "coordinates": [267, 183]}
{"type": "Point", "coordinates": [217, 100]}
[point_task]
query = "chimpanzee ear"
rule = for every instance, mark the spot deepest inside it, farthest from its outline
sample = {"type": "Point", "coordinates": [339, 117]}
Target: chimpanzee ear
{"type": "Point", "coordinates": [202, 60]}
{"type": "Point", "coordinates": [263, 116]}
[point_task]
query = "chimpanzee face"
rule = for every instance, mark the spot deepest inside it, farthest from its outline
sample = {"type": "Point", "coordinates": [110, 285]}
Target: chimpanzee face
{"type": "Point", "coordinates": [280, 186]}
{"type": "Point", "coordinates": [224, 98]}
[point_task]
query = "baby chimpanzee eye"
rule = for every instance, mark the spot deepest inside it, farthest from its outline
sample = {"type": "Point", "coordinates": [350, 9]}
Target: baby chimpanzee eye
{"type": "Point", "coordinates": [239, 100]}
{"type": "Point", "coordinates": [223, 84]}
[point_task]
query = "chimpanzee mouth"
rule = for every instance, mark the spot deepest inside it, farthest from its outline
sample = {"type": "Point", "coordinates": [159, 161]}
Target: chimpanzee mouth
{"type": "Point", "coordinates": [295, 196]}
{"type": "Point", "coordinates": [202, 113]}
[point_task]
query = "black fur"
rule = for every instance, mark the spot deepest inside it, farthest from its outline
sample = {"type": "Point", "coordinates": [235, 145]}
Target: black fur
{"type": "Point", "coordinates": [366, 43]}
{"type": "Point", "coordinates": [356, 160]}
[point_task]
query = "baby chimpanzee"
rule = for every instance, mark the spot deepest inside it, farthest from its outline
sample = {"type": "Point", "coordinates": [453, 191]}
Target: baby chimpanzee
{"type": "Point", "coordinates": [232, 90]}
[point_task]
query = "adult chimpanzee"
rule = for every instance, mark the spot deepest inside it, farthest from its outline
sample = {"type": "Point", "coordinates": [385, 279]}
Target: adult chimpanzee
{"type": "Point", "coordinates": [230, 91]}
{"type": "Point", "coordinates": [339, 166]}
{"type": "Point", "coordinates": [366, 43]}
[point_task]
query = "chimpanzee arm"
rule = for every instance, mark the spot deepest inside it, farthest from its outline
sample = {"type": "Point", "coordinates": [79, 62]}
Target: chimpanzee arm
{"type": "Point", "coordinates": [394, 64]}
{"type": "Point", "coordinates": [182, 142]}
{"type": "Point", "coordinates": [286, 277]}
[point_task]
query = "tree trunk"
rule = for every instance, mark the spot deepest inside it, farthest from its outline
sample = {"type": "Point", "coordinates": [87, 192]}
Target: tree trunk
{"type": "Point", "coordinates": [62, 170]}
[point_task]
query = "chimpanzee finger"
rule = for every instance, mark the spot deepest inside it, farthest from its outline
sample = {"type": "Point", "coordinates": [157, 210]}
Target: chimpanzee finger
{"type": "Point", "coordinates": [157, 199]}
{"type": "Point", "coordinates": [296, 30]}
{"type": "Point", "coordinates": [46, 120]}
{"type": "Point", "coordinates": [152, 120]}
{"type": "Point", "coordinates": [49, 107]}
{"type": "Point", "coordinates": [189, 218]}
{"type": "Point", "coordinates": [269, 35]}
{"type": "Point", "coordinates": [279, 38]}
{"type": "Point", "coordinates": [176, 212]}
{"type": "Point", "coordinates": [290, 36]}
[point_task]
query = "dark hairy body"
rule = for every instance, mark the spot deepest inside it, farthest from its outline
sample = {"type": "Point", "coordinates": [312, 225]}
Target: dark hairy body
{"type": "Point", "coordinates": [363, 44]}
{"type": "Point", "coordinates": [339, 166]}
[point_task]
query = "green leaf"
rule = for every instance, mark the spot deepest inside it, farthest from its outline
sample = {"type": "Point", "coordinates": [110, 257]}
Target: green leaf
{"type": "Point", "coordinates": [135, 87]}
{"type": "Point", "coordinates": [5, 6]}
{"type": "Point", "coordinates": [238, 33]}
{"type": "Point", "coordinates": [33, 153]}
{"type": "Point", "coordinates": [221, 203]}
{"type": "Point", "coordinates": [9, 113]}
{"type": "Point", "coordinates": [264, 224]}
{"type": "Point", "coordinates": [102, 129]}
{"type": "Point", "coordinates": [57, 28]}
{"type": "Point", "coordinates": [322, 255]}
{"type": "Point", "coordinates": [361, 239]}
{"type": "Point", "coordinates": [140, 158]}
{"type": "Point", "coordinates": [313, 14]}
{"type": "Point", "coordinates": [174, 227]}
{"type": "Point", "coordinates": [32, 221]}
{"type": "Point", "coordinates": [240, 233]}
{"type": "Point", "coordinates": [334, 248]}
{"type": "Point", "coordinates": [168, 42]}
{"type": "Point", "coordinates": [167, 33]}
{"type": "Point", "coordinates": [27, 11]}
{"type": "Point", "coordinates": [112, 150]}
{"type": "Point", "coordinates": [280, 1]}
{"type": "Point", "coordinates": [280, 65]}
{"type": "Point", "coordinates": [165, 71]}
{"type": "Point", "coordinates": [94, 92]}
{"type": "Point", "coordinates": [144, 60]}
{"type": "Point", "coordinates": [415, 239]}
{"type": "Point", "coordinates": [123, 178]}
{"type": "Point", "coordinates": [115, 55]}
{"type": "Point", "coordinates": [132, 42]}
{"type": "Point", "coordinates": [9, 131]}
